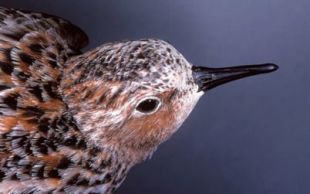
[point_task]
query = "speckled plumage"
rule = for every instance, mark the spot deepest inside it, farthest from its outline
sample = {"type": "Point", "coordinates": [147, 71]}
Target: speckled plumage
{"type": "Point", "coordinates": [69, 122]}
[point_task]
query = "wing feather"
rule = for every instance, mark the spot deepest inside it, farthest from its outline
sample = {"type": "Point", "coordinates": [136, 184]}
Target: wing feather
{"type": "Point", "coordinates": [33, 49]}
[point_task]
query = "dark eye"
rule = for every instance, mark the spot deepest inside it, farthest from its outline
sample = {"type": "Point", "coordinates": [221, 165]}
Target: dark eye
{"type": "Point", "coordinates": [148, 105]}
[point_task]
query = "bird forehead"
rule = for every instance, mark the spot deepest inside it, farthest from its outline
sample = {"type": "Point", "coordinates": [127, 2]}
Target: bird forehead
{"type": "Point", "coordinates": [151, 63]}
{"type": "Point", "coordinates": [137, 59]}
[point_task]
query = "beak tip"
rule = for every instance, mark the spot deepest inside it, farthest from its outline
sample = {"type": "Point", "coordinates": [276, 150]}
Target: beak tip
{"type": "Point", "coordinates": [270, 67]}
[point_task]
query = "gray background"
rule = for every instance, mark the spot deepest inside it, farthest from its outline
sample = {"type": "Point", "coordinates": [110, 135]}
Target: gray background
{"type": "Point", "coordinates": [247, 137]}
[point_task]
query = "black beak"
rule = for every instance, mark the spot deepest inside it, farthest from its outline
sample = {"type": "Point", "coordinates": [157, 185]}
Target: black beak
{"type": "Point", "coordinates": [208, 78]}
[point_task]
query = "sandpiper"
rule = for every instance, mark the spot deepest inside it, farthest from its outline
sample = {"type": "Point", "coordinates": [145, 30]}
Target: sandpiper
{"type": "Point", "coordinates": [73, 122]}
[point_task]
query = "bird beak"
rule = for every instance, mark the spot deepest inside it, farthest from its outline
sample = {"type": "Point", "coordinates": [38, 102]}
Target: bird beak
{"type": "Point", "coordinates": [208, 78]}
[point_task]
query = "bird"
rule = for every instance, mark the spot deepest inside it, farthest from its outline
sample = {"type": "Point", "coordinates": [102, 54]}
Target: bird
{"type": "Point", "coordinates": [77, 122]}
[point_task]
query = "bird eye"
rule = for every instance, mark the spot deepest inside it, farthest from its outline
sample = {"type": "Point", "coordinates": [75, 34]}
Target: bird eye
{"type": "Point", "coordinates": [148, 105]}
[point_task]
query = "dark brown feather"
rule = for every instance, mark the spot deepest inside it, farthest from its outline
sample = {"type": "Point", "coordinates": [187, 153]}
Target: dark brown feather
{"type": "Point", "coordinates": [33, 49]}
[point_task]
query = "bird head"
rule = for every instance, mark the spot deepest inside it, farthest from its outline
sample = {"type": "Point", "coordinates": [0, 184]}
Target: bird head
{"type": "Point", "coordinates": [134, 95]}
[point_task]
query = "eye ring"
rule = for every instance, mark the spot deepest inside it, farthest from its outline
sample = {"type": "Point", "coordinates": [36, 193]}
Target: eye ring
{"type": "Point", "coordinates": [148, 105]}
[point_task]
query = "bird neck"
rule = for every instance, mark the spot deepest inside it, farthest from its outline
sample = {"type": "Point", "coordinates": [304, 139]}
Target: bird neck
{"type": "Point", "coordinates": [84, 163]}
{"type": "Point", "coordinates": [108, 164]}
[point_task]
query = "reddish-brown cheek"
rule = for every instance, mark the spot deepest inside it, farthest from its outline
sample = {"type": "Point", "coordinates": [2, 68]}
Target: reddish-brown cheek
{"type": "Point", "coordinates": [151, 130]}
